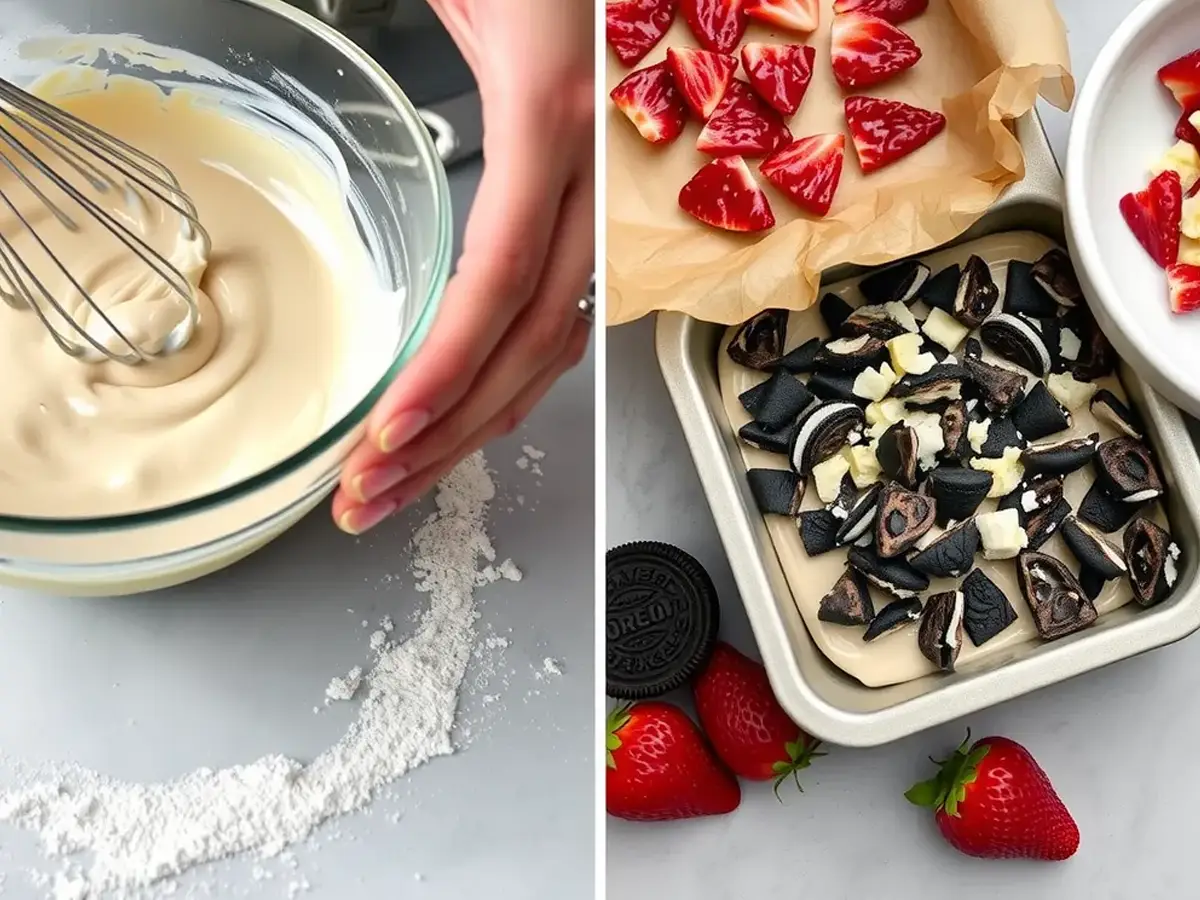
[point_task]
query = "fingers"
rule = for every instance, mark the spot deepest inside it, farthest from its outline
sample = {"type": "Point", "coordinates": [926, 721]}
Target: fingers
{"type": "Point", "coordinates": [355, 518]}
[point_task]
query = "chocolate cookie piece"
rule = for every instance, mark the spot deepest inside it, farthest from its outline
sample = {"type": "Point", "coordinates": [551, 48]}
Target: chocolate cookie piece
{"type": "Point", "coordinates": [861, 517]}
{"type": "Point", "coordinates": [1108, 408]}
{"type": "Point", "coordinates": [987, 611]}
{"type": "Point", "coordinates": [1060, 457]}
{"type": "Point", "coordinates": [950, 554]}
{"type": "Point", "coordinates": [1091, 582]}
{"type": "Point", "coordinates": [872, 320]}
{"type": "Point", "coordinates": [898, 452]}
{"type": "Point", "coordinates": [943, 382]}
{"type": "Point", "coordinates": [1106, 512]}
{"type": "Point", "coordinates": [894, 575]}
{"type": "Point", "coordinates": [976, 295]}
{"type": "Point", "coordinates": [940, 634]}
{"type": "Point", "coordinates": [1097, 357]}
{"type": "Point", "coordinates": [957, 492]}
{"type": "Point", "coordinates": [823, 432]}
{"type": "Point", "coordinates": [1033, 496]}
{"type": "Point", "coordinates": [848, 601]}
{"type": "Point", "coordinates": [939, 290]}
{"type": "Point", "coordinates": [758, 342]}
{"type": "Point", "coordinates": [803, 359]}
{"type": "Point", "coordinates": [903, 519]}
{"type": "Point", "coordinates": [1093, 550]}
{"type": "Point", "coordinates": [899, 283]}
{"type": "Point", "coordinates": [851, 354]}
{"type": "Point", "coordinates": [1126, 470]}
{"type": "Point", "coordinates": [752, 398]}
{"type": "Point", "coordinates": [955, 445]}
{"type": "Point", "coordinates": [900, 612]}
{"type": "Point", "coordinates": [1023, 296]}
{"type": "Point", "coordinates": [783, 399]}
{"type": "Point", "coordinates": [1153, 560]}
{"type": "Point", "coordinates": [1041, 525]}
{"type": "Point", "coordinates": [834, 312]}
{"type": "Point", "coordinates": [834, 386]}
{"type": "Point", "coordinates": [1055, 275]}
{"type": "Point", "coordinates": [1054, 595]}
{"type": "Point", "coordinates": [754, 434]}
{"type": "Point", "coordinates": [1002, 434]}
{"type": "Point", "coordinates": [1017, 340]}
{"type": "Point", "coordinates": [1001, 388]}
{"type": "Point", "coordinates": [1039, 415]}
{"type": "Point", "coordinates": [818, 531]}
{"type": "Point", "coordinates": [776, 492]}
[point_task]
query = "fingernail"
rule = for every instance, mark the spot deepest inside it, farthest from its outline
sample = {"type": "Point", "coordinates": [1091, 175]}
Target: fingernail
{"type": "Point", "coordinates": [402, 429]}
{"type": "Point", "coordinates": [377, 481]}
{"type": "Point", "coordinates": [364, 518]}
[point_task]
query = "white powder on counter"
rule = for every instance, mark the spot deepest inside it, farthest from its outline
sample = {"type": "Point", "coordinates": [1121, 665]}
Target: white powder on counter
{"type": "Point", "coordinates": [131, 835]}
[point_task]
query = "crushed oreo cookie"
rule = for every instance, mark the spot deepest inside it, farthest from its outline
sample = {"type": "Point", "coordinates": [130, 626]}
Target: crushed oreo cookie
{"type": "Point", "coordinates": [1054, 594]}
{"type": "Point", "coordinates": [1055, 275]}
{"type": "Point", "coordinates": [939, 636]}
{"type": "Point", "coordinates": [893, 575]}
{"type": "Point", "coordinates": [848, 601]}
{"type": "Point", "coordinates": [1126, 469]}
{"type": "Point", "coordinates": [957, 492]}
{"type": "Point", "coordinates": [851, 354]}
{"type": "Point", "coordinates": [950, 554]}
{"type": "Point", "coordinates": [1002, 435]}
{"type": "Point", "coordinates": [1097, 358]}
{"type": "Point", "coordinates": [955, 445]}
{"type": "Point", "coordinates": [987, 612]}
{"type": "Point", "coordinates": [783, 399]}
{"type": "Point", "coordinates": [942, 382]}
{"type": "Point", "coordinates": [899, 283]}
{"type": "Point", "coordinates": [818, 531]}
{"type": "Point", "coordinates": [1059, 457]}
{"type": "Point", "coordinates": [1001, 388]}
{"type": "Point", "coordinates": [900, 612]}
{"type": "Point", "coordinates": [1107, 408]}
{"type": "Point", "coordinates": [826, 385]}
{"type": "Point", "coordinates": [939, 290]}
{"type": "Point", "coordinates": [803, 359]}
{"type": "Point", "coordinates": [903, 519]}
{"type": "Point", "coordinates": [1032, 496]}
{"type": "Point", "coordinates": [875, 321]}
{"type": "Point", "coordinates": [1092, 583]}
{"type": "Point", "coordinates": [1018, 341]}
{"type": "Point", "coordinates": [976, 295]}
{"type": "Point", "coordinates": [758, 343]}
{"type": "Point", "coordinates": [1039, 415]}
{"type": "Point", "coordinates": [754, 434]}
{"type": "Point", "coordinates": [897, 453]}
{"type": "Point", "coordinates": [861, 516]}
{"type": "Point", "coordinates": [1022, 295]}
{"type": "Point", "coordinates": [834, 312]}
{"type": "Point", "coordinates": [1103, 510]}
{"type": "Point", "coordinates": [777, 492]}
{"type": "Point", "coordinates": [1094, 552]}
{"type": "Point", "coordinates": [1041, 525]}
{"type": "Point", "coordinates": [824, 431]}
{"type": "Point", "coordinates": [1153, 560]}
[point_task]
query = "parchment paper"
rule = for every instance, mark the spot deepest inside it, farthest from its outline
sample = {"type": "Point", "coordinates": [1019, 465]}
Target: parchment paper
{"type": "Point", "coordinates": [984, 63]}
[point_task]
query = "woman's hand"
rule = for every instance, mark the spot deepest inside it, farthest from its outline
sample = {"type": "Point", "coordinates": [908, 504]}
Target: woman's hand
{"type": "Point", "coordinates": [509, 323]}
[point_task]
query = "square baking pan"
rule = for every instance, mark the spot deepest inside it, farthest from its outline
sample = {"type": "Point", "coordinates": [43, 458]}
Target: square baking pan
{"type": "Point", "coordinates": [820, 697]}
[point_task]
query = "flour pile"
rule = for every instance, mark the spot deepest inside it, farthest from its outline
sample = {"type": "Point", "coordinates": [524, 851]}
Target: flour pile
{"type": "Point", "coordinates": [131, 835]}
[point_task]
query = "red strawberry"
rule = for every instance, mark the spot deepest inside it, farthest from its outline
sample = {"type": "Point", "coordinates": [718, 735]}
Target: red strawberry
{"type": "Point", "coordinates": [779, 73]}
{"type": "Point", "coordinates": [1186, 131]}
{"type": "Point", "coordinates": [745, 723]}
{"type": "Point", "coordinates": [650, 100]}
{"type": "Point", "coordinates": [633, 27]}
{"type": "Point", "coordinates": [894, 11]}
{"type": "Point", "coordinates": [884, 131]}
{"type": "Point", "coordinates": [808, 171]}
{"type": "Point", "coordinates": [994, 801]}
{"type": "Point", "coordinates": [790, 15]}
{"type": "Point", "coordinates": [1153, 216]}
{"type": "Point", "coordinates": [702, 77]}
{"type": "Point", "coordinates": [868, 50]}
{"type": "Point", "coordinates": [1182, 78]}
{"type": "Point", "coordinates": [723, 194]}
{"type": "Point", "coordinates": [1184, 281]}
{"type": "Point", "coordinates": [659, 767]}
{"type": "Point", "coordinates": [717, 24]}
{"type": "Point", "coordinates": [742, 126]}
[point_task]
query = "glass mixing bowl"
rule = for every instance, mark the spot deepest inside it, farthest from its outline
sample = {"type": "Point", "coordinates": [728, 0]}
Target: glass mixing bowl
{"type": "Point", "coordinates": [258, 53]}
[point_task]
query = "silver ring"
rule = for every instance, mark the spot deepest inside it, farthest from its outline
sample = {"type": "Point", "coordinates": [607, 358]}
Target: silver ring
{"type": "Point", "coordinates": [587, 305]}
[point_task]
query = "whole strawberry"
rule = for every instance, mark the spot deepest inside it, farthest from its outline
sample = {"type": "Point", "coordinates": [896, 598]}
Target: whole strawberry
{"type": "Point", "coordinates": [994, 801]}
{"type": "Point", "coordinates": [659, 767]}
{"type": "Point", "coordinates": [745, 723]}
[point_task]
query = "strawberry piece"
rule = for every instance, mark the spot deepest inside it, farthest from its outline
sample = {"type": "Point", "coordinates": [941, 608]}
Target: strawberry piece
{"type": "Point", "coordinates": [633, 27]}
{"type": "Point", "coordinates": [742, 126]}
{"type": "Point", "coordinates": [884, 131]}
{"type": "Point", "coordinates": [702, 77]}
{"type": "Point", "coordinates": [724, 195]}
{"type": "Point", "coordinates": [994, 801]}
{"type": "Point", "coordinates": [808, 171]}
{"type": "Point", "coordinates": [717, 24]}
{"type": "Point", "coordinates": [894, 11]}
{"type": "Point", "coordinates": [659, 767]}
{"type": "Point", "coordinates": [1184, 282]}
{"type": "Point", "coordinates": [868, 50]}
{"type": "Point", "coordinates": [1182, 78]}
{"type": "Point", "coordinates": [1153, 215]}
{"type": "Point", "coordinates": [1186, 131]}
{"type": "Point", "coordinates": [650, 100]}
{"type": "Point", "coordinates": [790, 15]}
{"type": "Point", "coordinates": [779, 73]}
{"type": "Point", "coordinates": [745, 723]}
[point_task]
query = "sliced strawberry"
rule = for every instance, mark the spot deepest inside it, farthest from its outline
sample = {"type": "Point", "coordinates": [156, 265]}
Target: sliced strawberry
{"type": "Point", "coordinates": [1153, 215]}
{"type": "Point", "coordinates": [808, 171]}
{"type": "Point", "coordinates": [702, 77]}
{"type": "Point", "coordinates": [1182, 78]}
{"type": "Point", "coordinates": [633, 27]}
{"type": "Point", "coordinates": [717, 24]}
{"type": "Point", "coordinates": [1184, 281]}
{"type": "Point", "coordinates": [742, 126]}
{"type": "Point", "coordinates": [894, 11]}
{"type": "Point", "coordinates": [1186, 131]}
{"type": "Point", "coordinates": [724, 195]}
{"type": "Point", "coordinates": [650, 100]}
{"type": "Point", "coordinates": [868, 50]}
{"type": "Point", "coordinates": [884, 131]}
{"type": "Point", "coordinates": [779, 73]}
{"type": "Point", "coordinates": [790, 15]}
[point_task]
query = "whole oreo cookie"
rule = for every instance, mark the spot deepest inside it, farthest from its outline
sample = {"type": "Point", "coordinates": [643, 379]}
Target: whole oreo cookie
{"type": "Point", "coordinates": [661, 619]}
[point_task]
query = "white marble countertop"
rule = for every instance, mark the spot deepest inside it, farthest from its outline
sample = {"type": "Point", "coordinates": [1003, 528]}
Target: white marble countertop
{"type": "Point", "coordinates": [1108, 739]}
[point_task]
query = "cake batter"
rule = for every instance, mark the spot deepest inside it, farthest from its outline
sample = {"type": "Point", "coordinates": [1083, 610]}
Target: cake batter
{"type": "Point", "coordinates": [264, 372]}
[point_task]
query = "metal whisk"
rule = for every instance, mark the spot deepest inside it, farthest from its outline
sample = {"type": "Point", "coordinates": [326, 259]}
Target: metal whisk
{"type": "Point", "coordinates": [107, 164]}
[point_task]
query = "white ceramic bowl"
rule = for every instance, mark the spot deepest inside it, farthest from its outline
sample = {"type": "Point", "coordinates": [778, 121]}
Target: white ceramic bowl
{"type": "Point", "coordinates": [1124, 120]}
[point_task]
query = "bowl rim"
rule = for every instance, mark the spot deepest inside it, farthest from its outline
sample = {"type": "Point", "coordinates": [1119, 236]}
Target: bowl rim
{"type": "Point", "coordinates": [1114, 317]}
{"type": "Point", "coordinates": [440, 273]}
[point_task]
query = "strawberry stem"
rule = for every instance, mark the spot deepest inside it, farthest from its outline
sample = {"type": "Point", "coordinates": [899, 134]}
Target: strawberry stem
{"type": "Point", "coordinates": [618, 718]}
{"type": "Point", "coordinates": [801, 752]}
{"type": "Point", "coordinates": [946, 790]}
